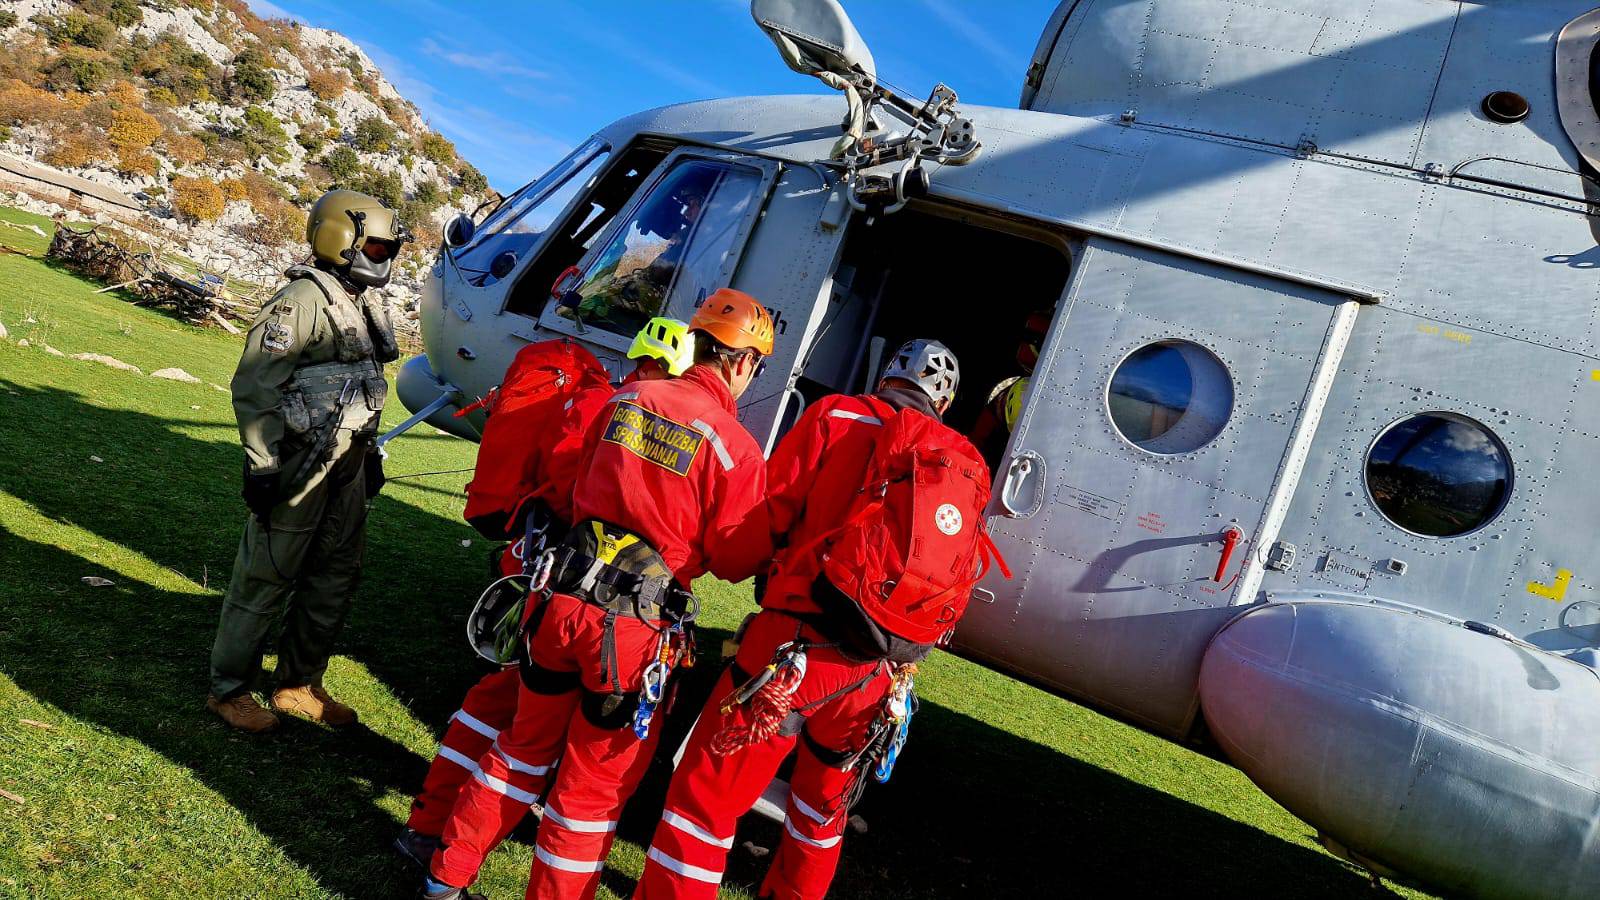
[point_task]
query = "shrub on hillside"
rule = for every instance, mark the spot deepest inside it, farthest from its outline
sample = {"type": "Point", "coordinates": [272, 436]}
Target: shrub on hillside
{"type": "Point", "coordinates": [121, 13]}
{"type": "Point", "coordinates": [75, 148]}
{"type": "Point", "coordinates": [75, 70]}
{"type": "Point", "coordinates": [77, 28]}
{"type": "Point", "coordinates": [277, 222]}
{"type": "Point", "coordinates": [233, 189]}
{"type": "Point", "coordinates": [196, 199]}
{"type": "Point", "coordinates": [186, 72]}
{"type": "Point", "coordinates": [437, 147]}
{"type": "Point", "coordinates": [163, 97]}
{"type": "Point", "coordinates": [137, 162]}
{"type": "Point", "coordinates": [132, 129]}
{"type": "Point", "coordinates": [7, 18]}
{"type": "Point", "coordinates": [310, 139]}
{"type": "Point", "coordinates": [251, 82]}
{"type": "Point", "coordinates": [373, 135]}
{"type": "Point", "coordinates": [185, 148]}
{"type": "Point", "coordinates": [471, 180]}
{"type": "Point", "coordinates": [342, 164]}
{"type": "Point", "coordinates": [21, 104]}
{"type": "Point", "coordinates": [386, 186]}
{"type": "Point", "coordinates": [261, 134]}
{"type": "Point", "coordinates": [327, 84]}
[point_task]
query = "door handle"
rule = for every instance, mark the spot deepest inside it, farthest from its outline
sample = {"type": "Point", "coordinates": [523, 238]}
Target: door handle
{"type": "Point", "coordinates": [1024, 478]}
{"type": "Point", "coordinates": [1230, 540]}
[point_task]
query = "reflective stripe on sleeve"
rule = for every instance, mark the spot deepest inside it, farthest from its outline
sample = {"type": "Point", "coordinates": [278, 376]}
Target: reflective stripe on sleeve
{"type": "Point", "coordinates": [695, 831]}
{"type": "Point", "coordinates": [564, 864]}
{"type": "Point", "coordinates": [623, 398]}
{"type": "Point", "coordinates": [716, 443]}
{"type": "Point", "coordinates": [517, 765]}
{"type": "Point", "coordinates": [582, 826]}
{"type": "Point", "coordinates": [504, 789]}
{"type": "Point", "coordinates": [855, 417]}
{"type": "Point", "coordinates": [683, 868]}
{"type": "Point", "coordinates": [822, 844]}
{"type": "Point", "coordinates": [475, 724]}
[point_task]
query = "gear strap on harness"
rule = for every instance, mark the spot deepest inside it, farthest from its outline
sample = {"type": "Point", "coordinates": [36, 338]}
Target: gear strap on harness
{"type": "Point", "coordinates": [620, 572]}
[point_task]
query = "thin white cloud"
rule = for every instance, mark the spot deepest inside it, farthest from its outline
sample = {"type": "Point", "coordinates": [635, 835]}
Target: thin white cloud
{"type": "Point", "coordinates": [1005, 60]}
{"type": "Point", "coordinates": [496, 63]}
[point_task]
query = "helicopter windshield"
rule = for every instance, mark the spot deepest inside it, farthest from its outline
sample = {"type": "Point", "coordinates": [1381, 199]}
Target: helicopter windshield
{"type": "Point", "coordinates": [676, 244]}
{"type": "Point", "coordinates": [525, 215]}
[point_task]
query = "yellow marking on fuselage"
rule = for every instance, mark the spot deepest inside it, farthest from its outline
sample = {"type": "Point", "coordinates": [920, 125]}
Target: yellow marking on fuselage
{"type": "Point", "coordinates": [1555, 590]}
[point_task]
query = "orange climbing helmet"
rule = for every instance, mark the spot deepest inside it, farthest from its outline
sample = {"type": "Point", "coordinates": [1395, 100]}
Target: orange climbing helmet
{"type": "Point", "coordinates": [736, 320]}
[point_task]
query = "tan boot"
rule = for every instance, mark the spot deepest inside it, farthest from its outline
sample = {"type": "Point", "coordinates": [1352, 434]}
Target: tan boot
{"type": "Point", "coordinates": [243, 712]}
{"type": "Point", "coordinates": [312, 701]}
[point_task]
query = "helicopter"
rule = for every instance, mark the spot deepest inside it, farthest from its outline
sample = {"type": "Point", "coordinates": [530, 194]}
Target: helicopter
{"type": "Point", "coordinates": [1301, 471]}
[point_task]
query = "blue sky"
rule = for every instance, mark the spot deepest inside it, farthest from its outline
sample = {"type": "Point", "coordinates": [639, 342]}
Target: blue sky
{"type": "Point", "coordinates": [517, 85]}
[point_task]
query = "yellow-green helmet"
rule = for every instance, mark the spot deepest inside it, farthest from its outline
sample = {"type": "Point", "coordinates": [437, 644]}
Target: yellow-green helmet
{"type": "Point", "coordinates": [1013, 410]}
{"type": "Point", "coordinates": [667, 340]}
{"type": "Point", "coordinates": [340, 225]}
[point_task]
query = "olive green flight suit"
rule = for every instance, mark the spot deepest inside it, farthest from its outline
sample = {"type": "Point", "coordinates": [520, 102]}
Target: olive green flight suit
{"type": "Point", "coordinates": [307, 395]}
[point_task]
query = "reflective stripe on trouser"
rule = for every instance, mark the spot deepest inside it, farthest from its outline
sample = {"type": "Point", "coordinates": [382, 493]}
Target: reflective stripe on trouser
{"type": "Point", "coordinates": [604, 766]}
{"type": "Point", "coordinates": [303, 569]}
{"type": "Point", "coordinates": [487, 709]}
{"type": "Point", "coordinates": [709, 793]}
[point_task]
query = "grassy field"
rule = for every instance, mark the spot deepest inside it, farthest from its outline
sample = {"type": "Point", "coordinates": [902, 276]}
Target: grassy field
{"type": "Point", "coordinates": [118, 783]}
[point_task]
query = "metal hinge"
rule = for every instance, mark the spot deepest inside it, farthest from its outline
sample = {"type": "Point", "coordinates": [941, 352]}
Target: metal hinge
{"type": "Point", "coordinates": [1280, 557]}
{"type": "Point", "coordinates": [1035, 76]}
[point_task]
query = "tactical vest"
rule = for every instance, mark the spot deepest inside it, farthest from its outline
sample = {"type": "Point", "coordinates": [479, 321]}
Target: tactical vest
{"type": "Point", "coordinates": [349, 392]}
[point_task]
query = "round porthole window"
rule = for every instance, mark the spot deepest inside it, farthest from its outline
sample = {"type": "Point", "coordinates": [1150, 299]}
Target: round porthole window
{"type": "Point", "coordinates": [1438, 474]}
{"type": "Point", "coordinates": [1170, 397]}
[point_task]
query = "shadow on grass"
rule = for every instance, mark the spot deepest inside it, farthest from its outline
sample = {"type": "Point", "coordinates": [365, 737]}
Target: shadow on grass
{"type": "Point", "coordinates": [972, 811]}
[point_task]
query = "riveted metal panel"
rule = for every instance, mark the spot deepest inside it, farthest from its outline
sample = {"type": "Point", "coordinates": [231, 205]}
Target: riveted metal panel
{"type": "Point", "coordinates": [1356, 78]}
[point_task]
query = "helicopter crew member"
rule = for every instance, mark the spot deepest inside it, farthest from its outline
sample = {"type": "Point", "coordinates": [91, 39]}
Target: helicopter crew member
{"type": "Point", "coordinates": [307, 394]}
{"type": "Point", "coordinates": [992, 430]}
{"type": "Point", "coordinates": [669, 475]}
{"type": "Point", "coordinates": [664, 348]}
{"type": "Point", "coordinates": [845, 677]}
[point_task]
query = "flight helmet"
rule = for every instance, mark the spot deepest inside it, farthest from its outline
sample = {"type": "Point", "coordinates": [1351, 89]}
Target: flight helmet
{"type": "Point", "coordinates": [355, 234]}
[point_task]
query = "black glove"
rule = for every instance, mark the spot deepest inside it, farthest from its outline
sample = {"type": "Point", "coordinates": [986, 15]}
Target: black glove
{"type": "Point", "coordinates": [260, 493]}
{"type": "Point", "coordinates": [374, 473]}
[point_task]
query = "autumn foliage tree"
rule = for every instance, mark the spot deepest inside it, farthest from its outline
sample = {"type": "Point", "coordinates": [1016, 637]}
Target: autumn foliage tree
{"type": "Point", "coordinates": [327, 84]}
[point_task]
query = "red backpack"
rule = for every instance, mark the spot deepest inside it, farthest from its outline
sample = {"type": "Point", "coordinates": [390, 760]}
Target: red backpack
{"type": "Point", "coordinates": [913, 542]}
{"type": "Point", "coordinates": [535, 390]}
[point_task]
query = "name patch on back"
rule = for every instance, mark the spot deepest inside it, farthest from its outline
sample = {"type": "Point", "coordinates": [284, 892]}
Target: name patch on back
{"type": "Point", "coordinates": [661, 441]}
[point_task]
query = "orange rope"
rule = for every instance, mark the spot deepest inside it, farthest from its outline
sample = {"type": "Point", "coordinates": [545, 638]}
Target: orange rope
{"type": "Point", "coordinates": [768, 708]}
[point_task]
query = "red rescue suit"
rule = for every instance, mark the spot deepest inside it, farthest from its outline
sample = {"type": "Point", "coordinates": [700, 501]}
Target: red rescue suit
{"type": "Point", "coordinates": [554, 453]}
{"type": "Point", "coordinates": [813, 475]}
{"type": "Point", "coordinates": [666, 461]}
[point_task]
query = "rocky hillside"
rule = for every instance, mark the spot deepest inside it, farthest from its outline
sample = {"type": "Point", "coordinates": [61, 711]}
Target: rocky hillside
{"type": "Point", "coordinates": [222, 125]}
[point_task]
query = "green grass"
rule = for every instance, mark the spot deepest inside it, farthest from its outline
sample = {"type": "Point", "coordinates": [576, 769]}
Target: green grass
{"type": "Point", "coordinates": [134, 790]}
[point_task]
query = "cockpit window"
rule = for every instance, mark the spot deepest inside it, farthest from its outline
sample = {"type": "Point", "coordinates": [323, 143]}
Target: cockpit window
{"type": "Point", "coordinates": [1438, 474]}
{"type": "Point", "coordinates": [1170, 397]}
{"type": "Point", "coordinates": [676, 245]}
{"type": "Point", "coordinates": [518, 222]}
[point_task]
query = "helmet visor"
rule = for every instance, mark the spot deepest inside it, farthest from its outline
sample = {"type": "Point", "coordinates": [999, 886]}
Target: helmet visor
{"type": "Point", "coordinates": [379, 250]}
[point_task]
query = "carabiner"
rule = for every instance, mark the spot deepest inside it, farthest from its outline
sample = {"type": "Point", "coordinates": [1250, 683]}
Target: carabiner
{"type": "Point", "coordinates": [541, 572]}
{"type": "Point", "coordinates": [654, 682]}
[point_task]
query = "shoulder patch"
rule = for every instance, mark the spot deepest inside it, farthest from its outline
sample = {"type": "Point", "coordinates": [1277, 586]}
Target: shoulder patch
{"type": "Point", "coordinates": [660, 440]}
{"type": "Point", "coordinates": [276, 338]}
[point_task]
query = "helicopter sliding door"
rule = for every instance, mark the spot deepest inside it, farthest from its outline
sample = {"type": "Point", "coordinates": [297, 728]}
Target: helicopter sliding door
{"type": "Point", "coordinates": [1160, 442]}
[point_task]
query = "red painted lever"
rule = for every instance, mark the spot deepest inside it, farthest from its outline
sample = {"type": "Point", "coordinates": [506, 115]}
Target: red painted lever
{"type": "Point", "coordinates": [1230, 540]}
